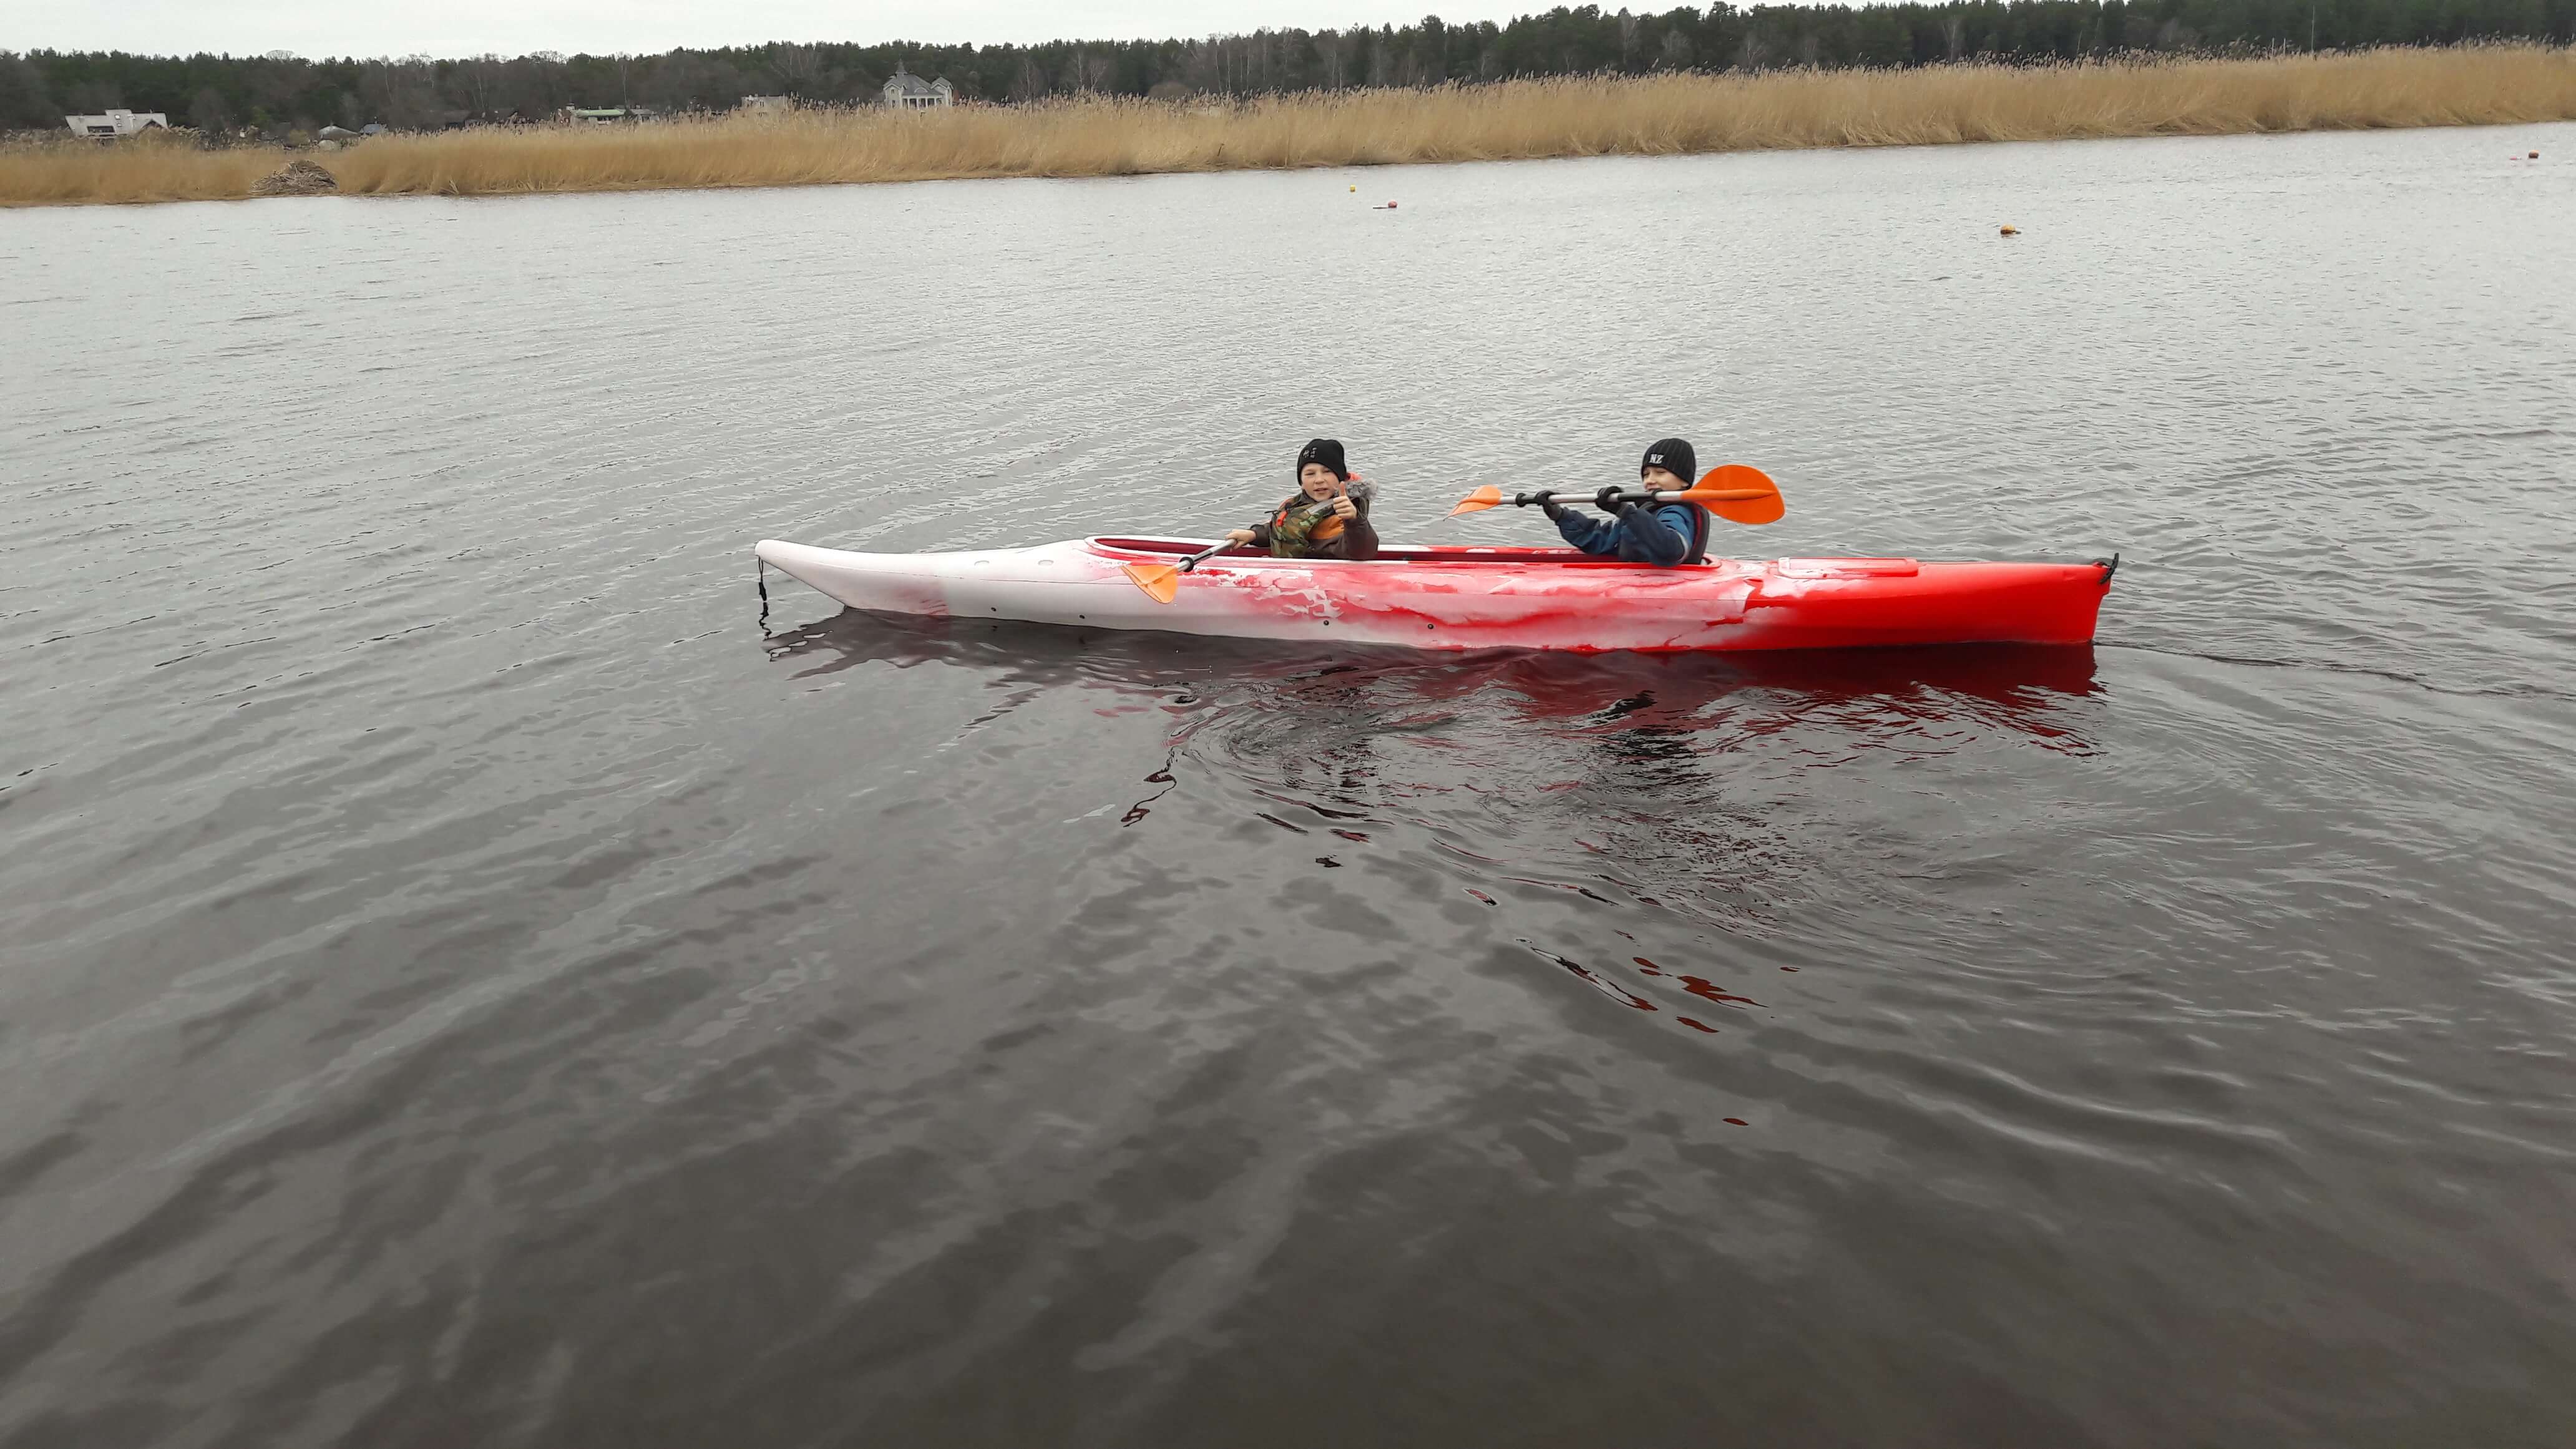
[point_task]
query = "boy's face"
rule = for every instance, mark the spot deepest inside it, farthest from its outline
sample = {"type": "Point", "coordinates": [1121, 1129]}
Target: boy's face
{"type": "Point", "coordinates": [1661, 480]}
{"type": "Point", "coordinates": [1318, 481]}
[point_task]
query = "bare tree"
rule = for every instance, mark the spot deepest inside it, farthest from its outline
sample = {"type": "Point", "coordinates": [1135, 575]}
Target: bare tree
{"type": "Point", "coordinates": [473, 79]}
{"type": "Point", "coordinates": [795, 66]}
{"type": "Point", "coordinates": [1204, 66]}
{"type": "Point", "coordinates": [1031, 82]}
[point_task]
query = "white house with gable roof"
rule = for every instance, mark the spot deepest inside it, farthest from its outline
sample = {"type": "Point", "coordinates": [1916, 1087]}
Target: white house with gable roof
{"type": "Point", "coordinates": [912, 92]}
{"type": "Point", "coordinates": [118, 123]}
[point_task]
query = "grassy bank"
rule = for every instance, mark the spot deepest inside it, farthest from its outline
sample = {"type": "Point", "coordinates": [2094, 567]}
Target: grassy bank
{"type": "Point", "coordinates": [1656, 115]}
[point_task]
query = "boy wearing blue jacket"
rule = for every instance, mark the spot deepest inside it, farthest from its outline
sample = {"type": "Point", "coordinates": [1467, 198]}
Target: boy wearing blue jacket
{"type": "Point", "coordinates": [1661, 533]}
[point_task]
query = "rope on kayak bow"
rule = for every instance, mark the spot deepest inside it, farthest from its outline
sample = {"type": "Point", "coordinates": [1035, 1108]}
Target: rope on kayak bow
{"type": "Point", "coordinates": [761, 582]}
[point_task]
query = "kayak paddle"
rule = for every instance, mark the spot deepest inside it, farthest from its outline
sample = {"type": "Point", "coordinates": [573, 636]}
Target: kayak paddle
{"type": "Point", "coordinates": [1733, 492]}
{"type": "Point", "coordinates": [1162, 582]}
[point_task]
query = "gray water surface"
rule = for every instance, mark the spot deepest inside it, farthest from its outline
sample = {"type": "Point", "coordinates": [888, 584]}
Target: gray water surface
{"type": "Point", "coordinates": [465, 978]}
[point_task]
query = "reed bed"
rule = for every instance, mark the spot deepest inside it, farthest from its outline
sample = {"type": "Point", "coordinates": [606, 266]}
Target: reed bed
{"type": "Point", "coordinates": [147, 168]}
{"type": "Point", "coordinates": [1590, 116]}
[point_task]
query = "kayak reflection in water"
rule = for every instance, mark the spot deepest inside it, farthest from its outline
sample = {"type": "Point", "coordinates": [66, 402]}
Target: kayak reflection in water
{"type": "Point", "coordinates": [1327, 517]}
{"type": "Point", "coordinates": [1665, 533]}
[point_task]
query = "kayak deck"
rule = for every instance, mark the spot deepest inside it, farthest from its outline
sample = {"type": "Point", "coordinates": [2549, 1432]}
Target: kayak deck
{"type": "Point", "coordinates": [1480, 598]}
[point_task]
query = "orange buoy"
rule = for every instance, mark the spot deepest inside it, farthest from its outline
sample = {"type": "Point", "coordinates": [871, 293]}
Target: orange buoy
{"type": "Point", "coordinates": [2012, 231]}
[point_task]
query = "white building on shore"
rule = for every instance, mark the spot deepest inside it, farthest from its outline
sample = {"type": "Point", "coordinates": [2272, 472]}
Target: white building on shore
{"type": "Point", "coordinates": [912, 92]}
{"type": "Point", "coordinates": [118, 123]}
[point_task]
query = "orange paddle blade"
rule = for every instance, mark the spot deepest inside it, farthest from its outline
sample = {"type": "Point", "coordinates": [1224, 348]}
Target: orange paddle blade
{"type": "Point", "coordinates": [1739, 494]}
{"type": "Point", "coordinates": [1161, 582]}
{"type": "Point", "coordinates": [1483, 498]}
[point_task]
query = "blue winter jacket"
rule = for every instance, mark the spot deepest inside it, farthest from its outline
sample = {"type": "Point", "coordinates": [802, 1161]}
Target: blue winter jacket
{"type": "Point", "coordinates": [1637, 535]}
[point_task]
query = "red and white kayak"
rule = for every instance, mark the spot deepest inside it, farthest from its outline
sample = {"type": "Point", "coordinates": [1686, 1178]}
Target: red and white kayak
{"type": "Point", "coordinates": [1479, 598]}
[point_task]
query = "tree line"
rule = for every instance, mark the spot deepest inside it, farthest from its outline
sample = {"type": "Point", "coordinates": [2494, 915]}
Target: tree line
{"type": "Point", "coordinates": [278, 93]}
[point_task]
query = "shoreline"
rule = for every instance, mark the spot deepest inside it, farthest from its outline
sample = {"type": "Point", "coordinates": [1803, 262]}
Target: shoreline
{"type": "Point", "coordinates": [1675, 114]}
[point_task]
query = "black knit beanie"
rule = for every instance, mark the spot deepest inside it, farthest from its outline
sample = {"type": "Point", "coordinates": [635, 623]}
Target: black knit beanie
{"type": "Point", "coordinates": [1675, 454]}
{"type": "Point", "coordinates": [1328, 451]}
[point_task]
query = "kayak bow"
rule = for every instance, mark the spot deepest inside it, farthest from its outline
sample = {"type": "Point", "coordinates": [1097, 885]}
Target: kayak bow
{"type": "Point", "coordinates": [1479, 598]}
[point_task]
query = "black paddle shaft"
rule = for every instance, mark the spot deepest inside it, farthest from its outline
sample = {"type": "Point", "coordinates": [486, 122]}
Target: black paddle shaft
{"type": "Point", "coordinates": [1634, 495]}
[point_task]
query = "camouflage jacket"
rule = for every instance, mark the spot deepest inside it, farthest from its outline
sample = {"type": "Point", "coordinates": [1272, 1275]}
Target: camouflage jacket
{"type": "Point", "coordinates": [1304, 528]}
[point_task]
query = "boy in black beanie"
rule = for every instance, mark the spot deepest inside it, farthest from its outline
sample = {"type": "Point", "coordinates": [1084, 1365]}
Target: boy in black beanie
{"type": "Point", "coordinates": [1327, 517]}
{"type": "Point", "coordinates": [1662, 533]}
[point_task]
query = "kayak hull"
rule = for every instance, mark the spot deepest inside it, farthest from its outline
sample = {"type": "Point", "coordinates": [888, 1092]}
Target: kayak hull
{"type": "Point", "coordinates": [1478, 598]}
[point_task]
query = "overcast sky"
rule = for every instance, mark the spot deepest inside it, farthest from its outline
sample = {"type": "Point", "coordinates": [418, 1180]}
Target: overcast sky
{"type": "Point", "coordinates": [514, 27]}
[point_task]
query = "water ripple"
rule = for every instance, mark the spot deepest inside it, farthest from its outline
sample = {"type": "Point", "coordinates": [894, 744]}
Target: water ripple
{"type": "Point", "coordinates": [467, 982]}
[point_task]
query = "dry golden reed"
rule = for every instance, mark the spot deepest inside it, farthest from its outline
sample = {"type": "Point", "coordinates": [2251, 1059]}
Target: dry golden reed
{"type": "Point", "coordinates": [148, 168]}
{"type": "Point", "coordinates": [1584, 116]}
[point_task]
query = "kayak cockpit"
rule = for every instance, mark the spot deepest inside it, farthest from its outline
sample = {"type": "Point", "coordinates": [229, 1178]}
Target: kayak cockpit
{"type": "Point", "coordinates": [1157, 550]}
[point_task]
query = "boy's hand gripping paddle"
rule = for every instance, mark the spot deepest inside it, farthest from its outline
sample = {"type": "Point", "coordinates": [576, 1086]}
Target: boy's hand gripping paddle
{"type": "Point", "coordinates": [1162, 582]}
{"type": "Point", "coordinates": [1733, 492]}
